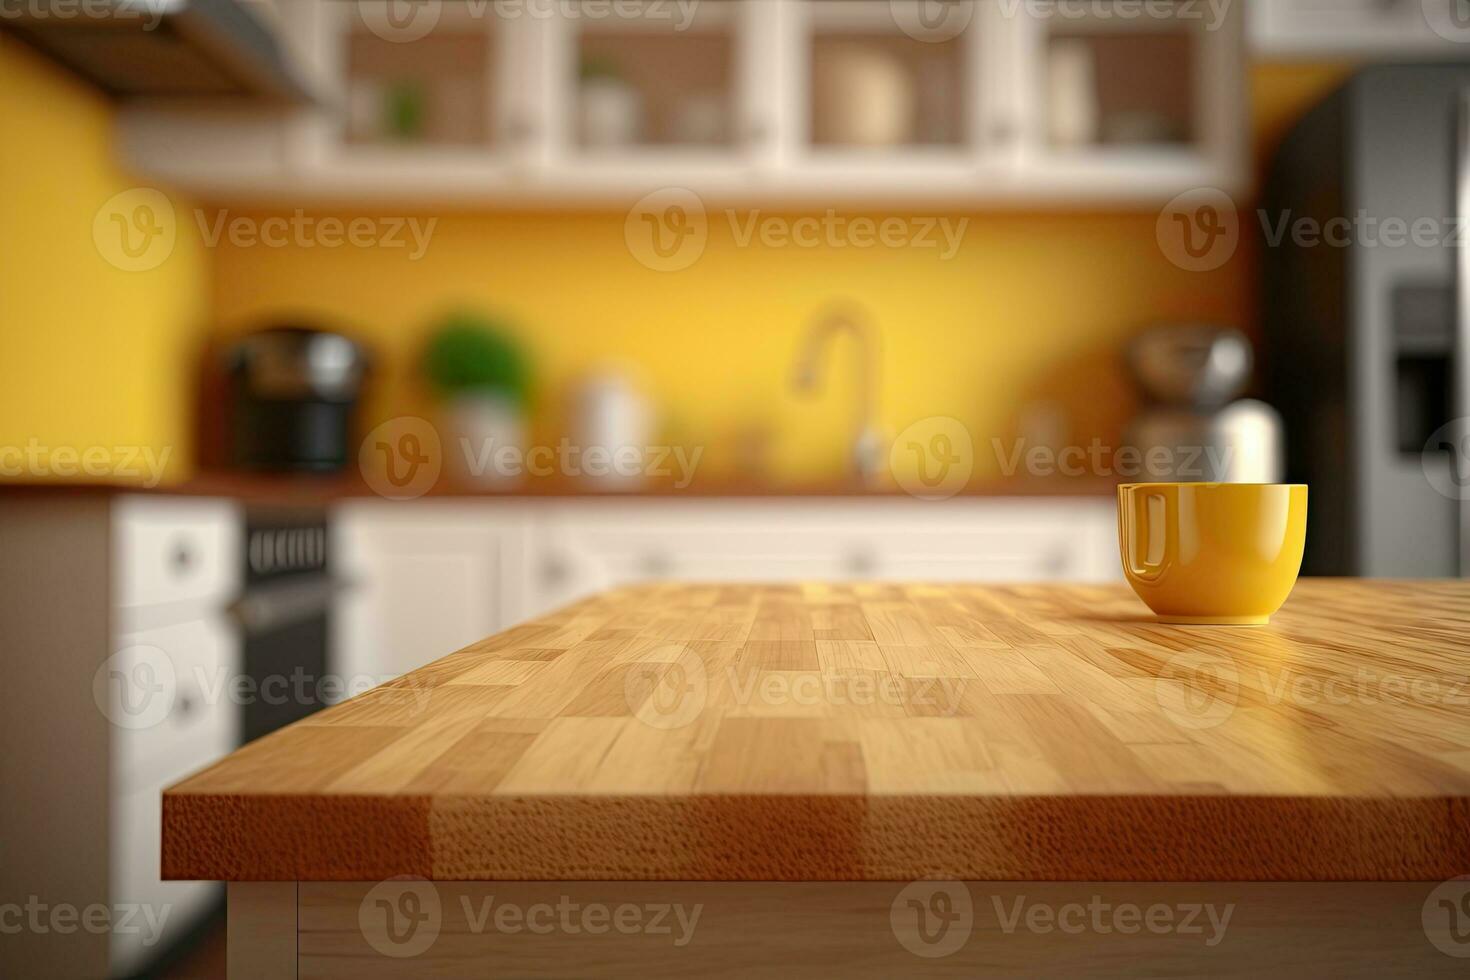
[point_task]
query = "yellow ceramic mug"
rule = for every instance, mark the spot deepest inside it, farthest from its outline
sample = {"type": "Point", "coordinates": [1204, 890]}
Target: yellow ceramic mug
{"type": "Point", "coordinates": [1218, 553]}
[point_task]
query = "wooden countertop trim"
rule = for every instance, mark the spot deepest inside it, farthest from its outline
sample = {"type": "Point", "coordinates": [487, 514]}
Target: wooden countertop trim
{"type": "Point", "coordinates": [807, 838]}
{"type": "Point", "coordinates": [1058, 756]}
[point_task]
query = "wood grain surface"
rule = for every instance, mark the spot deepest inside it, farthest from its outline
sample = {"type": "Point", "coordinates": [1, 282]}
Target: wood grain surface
{"type": "Point", "coordinates": [828, 732]}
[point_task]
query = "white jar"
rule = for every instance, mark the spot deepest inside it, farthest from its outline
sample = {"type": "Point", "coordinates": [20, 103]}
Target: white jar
{"type": "Point", "coordinates": [611, 113]}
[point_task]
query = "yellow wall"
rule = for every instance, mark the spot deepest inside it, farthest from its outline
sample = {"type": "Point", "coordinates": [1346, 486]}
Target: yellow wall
{"type": "Point", "coordinates": [1032, 311]}
{"type": "Point", "coordinates": [1032, 307]}
{"type": "Point", "coordinates": [93, 356]}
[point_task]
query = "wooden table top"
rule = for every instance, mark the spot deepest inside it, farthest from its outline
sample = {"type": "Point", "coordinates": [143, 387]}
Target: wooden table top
{"type": "Point", "coordinates": [877, 731]}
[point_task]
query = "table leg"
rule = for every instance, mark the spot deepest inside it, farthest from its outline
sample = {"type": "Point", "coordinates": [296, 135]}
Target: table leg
{"type": "Point", "coordinates": [262, 930]}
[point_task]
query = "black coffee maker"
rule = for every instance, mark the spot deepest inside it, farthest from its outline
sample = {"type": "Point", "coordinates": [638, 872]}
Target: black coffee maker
{"type": "Point", "coordinates": [294, 392]}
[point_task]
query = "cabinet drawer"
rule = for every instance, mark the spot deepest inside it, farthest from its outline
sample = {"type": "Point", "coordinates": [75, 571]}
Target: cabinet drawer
{"type": "Point", "coordinates": [173, 549]}
{"type": "Point", "coordinates": [169, 693]}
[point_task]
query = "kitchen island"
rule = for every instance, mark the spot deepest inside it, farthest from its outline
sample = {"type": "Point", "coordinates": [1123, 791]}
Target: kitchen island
{"type": "Point", "coordinates": [874, 738]}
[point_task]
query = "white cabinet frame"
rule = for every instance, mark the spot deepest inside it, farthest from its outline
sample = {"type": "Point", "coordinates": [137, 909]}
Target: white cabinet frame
{"type": "Point", "coordinates": [1216, 158]}
{"type": "Point", "coordinates": [533, 160]}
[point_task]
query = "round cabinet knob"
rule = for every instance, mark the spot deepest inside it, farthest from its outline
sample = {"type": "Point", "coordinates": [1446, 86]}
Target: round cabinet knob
{"type": "Point", "coordinates": [182, 558]}
{"type": "Point", "coordinates": [555, 571]}
{"type": "Point", "coordinates": [656, 564]}
{"type": "Point", "coordinates": [860, 563]}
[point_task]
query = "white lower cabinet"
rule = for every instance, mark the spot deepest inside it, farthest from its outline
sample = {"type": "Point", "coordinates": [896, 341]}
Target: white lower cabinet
{"type": "Point", "coordinates": [422, 579]}
{"type": "Point", "coordinates": [166, 687]}
{"type": "Point", "coordinates": [430, 577]}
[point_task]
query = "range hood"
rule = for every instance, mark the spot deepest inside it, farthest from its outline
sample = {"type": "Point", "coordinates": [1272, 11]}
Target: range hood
{"type": "Point", "coordinates": [149, 48]}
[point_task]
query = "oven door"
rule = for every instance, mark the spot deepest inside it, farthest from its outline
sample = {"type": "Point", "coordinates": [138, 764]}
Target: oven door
{"type": "Point", "coordinates": [284, 634]}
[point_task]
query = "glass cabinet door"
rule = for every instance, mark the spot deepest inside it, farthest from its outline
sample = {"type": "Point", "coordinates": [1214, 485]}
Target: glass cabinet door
{"type": "Point", "coordinates": [899, 86]}
{"type": "Point", "coordinates": [1128, 98]}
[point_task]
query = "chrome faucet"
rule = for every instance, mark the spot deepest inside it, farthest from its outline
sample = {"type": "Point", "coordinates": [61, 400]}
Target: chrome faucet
{"type": "Point", "coordinates": [867, 443]}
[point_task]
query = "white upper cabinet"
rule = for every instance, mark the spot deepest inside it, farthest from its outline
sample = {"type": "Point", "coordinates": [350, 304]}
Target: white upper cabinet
{"type": "Point", "coordinates": [1336, 29]}
{"type": "Point", "coordinates": [1116, 103]}
{"type": "Point", "coordinates": [587, 102]}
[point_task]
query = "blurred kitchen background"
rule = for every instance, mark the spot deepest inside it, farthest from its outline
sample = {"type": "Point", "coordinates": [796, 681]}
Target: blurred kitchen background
{"type": "Point", "coordinates": [834, 289]}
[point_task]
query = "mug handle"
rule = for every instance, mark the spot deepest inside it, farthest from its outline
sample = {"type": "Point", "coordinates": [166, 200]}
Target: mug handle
{"type": "Point", "coordinates": [1146, 511]}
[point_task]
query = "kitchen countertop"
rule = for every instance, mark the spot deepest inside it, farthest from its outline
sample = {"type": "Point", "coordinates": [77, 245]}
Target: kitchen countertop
{"type": "Point", "coordinates": [303, 489]}
{"type": "Point", "coordinates": [878, 732]}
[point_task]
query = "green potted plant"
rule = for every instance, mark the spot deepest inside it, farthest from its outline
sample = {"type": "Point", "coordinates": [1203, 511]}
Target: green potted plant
{"type": "Point", "coordinates": [482, 378]}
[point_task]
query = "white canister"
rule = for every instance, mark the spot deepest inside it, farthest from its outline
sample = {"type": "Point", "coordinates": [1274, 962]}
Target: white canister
{"type": "Point", "coordinates": [611, 113]}
{"type": "Point", "coordinates": [1072, 116]}
{"type": "Point", "coordinates": [863, 96]}
{"type": "Point", "coordinates": [612, 425]}
{"type": "Point", "coordinates": [479, 426]}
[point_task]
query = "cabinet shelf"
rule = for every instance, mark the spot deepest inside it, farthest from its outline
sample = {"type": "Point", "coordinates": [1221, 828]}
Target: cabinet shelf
{"type": "Point", "coordinates": [826, 102]}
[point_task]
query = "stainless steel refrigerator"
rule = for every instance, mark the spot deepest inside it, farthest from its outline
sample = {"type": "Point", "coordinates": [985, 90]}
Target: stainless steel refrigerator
{"type": "Point", "coordinates": [1364, 321]}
